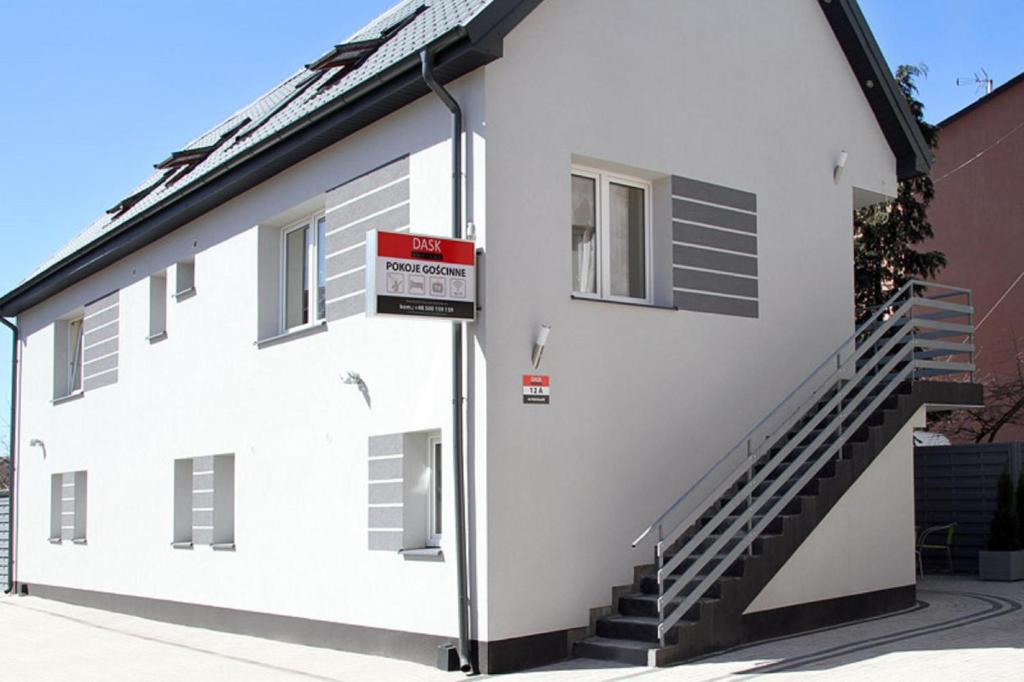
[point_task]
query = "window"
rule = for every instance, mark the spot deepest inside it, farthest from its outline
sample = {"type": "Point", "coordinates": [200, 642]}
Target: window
{"type": "Point", "coordinates": [158, 306]}
{"type": "Point", "coordinates": [204, 502]}
{"type": "Point", "coordinates": [67, 507]}
{"type": "Point", "coordinates": [610, 236]}
{"type": "Point", "coordinates": [436, 508]}
{"type": "Point", "coordinates": [303, 274]}
{"type": "Point", "coordinates": [67, 357]}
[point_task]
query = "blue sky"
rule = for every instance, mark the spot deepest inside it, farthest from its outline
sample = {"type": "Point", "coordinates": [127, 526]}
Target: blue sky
{"type": "Point", "coordinates": [94, 92]}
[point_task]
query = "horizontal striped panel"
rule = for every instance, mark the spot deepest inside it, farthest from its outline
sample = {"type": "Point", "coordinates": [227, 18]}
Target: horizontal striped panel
{"type": "Point", "coordinates": [202, 481]}
{"type": "Point", "coordinates": [97, 336]}
{"type": "Point", "coordinates": [385, 540]}
{"type": "Point", "coordinates": [384, 517]}
{"type": "Point", "coordinates": [388, 444]}
{"type": "Point", "coordinates": [202, 500]}
{"type": "Point", "coordinates": [707, 303]}
{"type": "Point", "coordinates": [713, 282]}
{"type": "Point", "coordinates": [371, 204]}
{"type": "Point", "coordinates": [202, 519]}
{"type": "Point", "coordinates": [697, 235]}
{"type": "Point", "coordinates": [378, 200]}
{"type": "Point", "coordinates": [99, 365]}
{"type": "Point", "coordinates": [202, 465]}
{"type": "Point", "coordinates": [100, 304]}
{"type": "Point", "coordinates": [368, 182]}
{"type": "Point", "coordinates": [391, 220]}
{"type": "Point", "coordinates": [100, 349]}
{"type": "Point", "coordinates": [683, 209]}
{"type": "Point", "coordinates": [348, 307]}
{"type": "Point", "coordinates": [714, 194]}
{"type": "Point", "coordinates": [385, 493]}
{"type": "Point", "coordinates": [385, 469]}
{"type": "Point", "coordinates": [101, 318]}
{"type": "Point", "coordinates": [100, 328]}
{"type": "Point", "coordinates": [713, 260]}
{"type": "Point", "coordinates": [348, 283]}
{"type": "Point", "coordinates": [202, 536]}
{"type": "Point", "coordinates": [99, 380]}
{"type": "Point", "coordinates": [347, 261]}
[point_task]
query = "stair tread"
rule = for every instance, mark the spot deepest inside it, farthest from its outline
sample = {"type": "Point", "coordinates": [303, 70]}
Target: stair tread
{"type": "Point", "coordinates": [643, 596]}
{"type": "Point", "coordinates": [610, 642]}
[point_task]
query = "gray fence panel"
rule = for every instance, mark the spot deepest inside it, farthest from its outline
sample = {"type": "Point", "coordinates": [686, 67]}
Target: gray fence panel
{"type": "Point", "coordinates": [5, 536]}
{"type": "Point", "coordinates": [957, 483]}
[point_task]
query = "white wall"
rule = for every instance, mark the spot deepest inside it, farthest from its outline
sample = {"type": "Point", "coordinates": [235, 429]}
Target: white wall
{"type": "Point", "coordinates": [865, 543]}
{"type": "Point", "coordinates": [755, 96]}
{"type": "Point", "coordinates": [749, 95]}
{"type": "Point", "coordinates": [299, 434]}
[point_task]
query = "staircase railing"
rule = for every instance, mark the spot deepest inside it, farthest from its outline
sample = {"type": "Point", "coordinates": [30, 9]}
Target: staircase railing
{"type": "Point", "coordinates": [912, 335]}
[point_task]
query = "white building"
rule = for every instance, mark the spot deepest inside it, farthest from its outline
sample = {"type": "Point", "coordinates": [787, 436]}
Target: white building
{"type": "Point", "coordinates": [211, 430]}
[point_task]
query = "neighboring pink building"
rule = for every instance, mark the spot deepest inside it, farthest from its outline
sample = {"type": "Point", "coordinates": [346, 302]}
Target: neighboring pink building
{"type": "Point", "coordinates": [978, 218]}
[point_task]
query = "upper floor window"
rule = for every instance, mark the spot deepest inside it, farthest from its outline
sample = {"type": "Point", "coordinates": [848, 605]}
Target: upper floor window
{"type": "Point", "coordinates": [610, 236]}
{"type": "Point", "coordinates": [303, 274]}
{"type": "Point", "coordinates": [67, 356]}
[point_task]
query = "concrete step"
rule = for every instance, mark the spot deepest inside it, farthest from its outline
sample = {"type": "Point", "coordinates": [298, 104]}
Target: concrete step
{"type": "Point", "coordinates": [610, 649]}
{"type": "Point", "coordinates": [635, 628]}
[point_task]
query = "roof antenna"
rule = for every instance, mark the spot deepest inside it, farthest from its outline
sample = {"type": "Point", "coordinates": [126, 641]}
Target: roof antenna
{"type": "Point", "coordinates": [980, 79]}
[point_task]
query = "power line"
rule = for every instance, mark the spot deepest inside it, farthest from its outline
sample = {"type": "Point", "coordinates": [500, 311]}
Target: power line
{"type": "Point", "coordinates": [977, 156]}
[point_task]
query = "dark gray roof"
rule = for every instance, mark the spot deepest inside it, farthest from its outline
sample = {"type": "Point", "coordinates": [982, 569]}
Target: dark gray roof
{"type": "Point", "coordinates": [299, 118]}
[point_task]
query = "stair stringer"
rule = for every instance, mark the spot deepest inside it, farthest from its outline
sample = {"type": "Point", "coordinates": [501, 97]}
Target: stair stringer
{"type": "Point", "coordinates": [728, 627]}
{"type": "Point", "coordinates": [721, 623]}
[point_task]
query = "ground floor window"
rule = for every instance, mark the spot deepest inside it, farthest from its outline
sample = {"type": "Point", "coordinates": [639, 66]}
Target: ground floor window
{"type": "Point", "coordinates": [68, 506]}
{"type": "Point", "coordinates": [204, 501]}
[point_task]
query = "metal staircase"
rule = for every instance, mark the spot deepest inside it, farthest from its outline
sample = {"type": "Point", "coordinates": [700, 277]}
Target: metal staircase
{"type": "Point", "coordinates": [704, 537]}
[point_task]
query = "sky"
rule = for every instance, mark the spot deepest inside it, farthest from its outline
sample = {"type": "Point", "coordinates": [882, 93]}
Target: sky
{"type": "Point", "coordinates": [93, 93]}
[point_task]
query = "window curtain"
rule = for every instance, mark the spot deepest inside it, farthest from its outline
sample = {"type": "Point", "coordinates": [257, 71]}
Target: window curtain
{"type": "Point", "coordinates": [584, 235]}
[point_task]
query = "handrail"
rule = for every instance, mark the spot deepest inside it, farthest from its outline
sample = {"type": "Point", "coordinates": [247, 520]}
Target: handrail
{"type": "Point", "coordinates": [888, 347]}
{"type": "Point", "coordinates": [830, 357]}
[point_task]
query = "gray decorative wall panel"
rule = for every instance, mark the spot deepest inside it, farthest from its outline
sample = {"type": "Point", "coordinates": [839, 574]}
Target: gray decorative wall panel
{"type": "Point", "coordinates": [100, 329]}
{"type": "Point", "coordinates": [714, 248]}
{"type": "Point", "coordinates": [385, 493]}
{"type": "Point", "coordinates": [377, 200]}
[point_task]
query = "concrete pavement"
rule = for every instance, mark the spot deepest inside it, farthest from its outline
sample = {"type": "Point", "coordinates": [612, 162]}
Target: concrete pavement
{"type": "Point", "coordinates": [961, 629]}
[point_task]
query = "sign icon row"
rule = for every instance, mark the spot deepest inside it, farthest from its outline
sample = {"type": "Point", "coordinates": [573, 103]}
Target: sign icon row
{"type": "Point", "coordinates": [417, 285]}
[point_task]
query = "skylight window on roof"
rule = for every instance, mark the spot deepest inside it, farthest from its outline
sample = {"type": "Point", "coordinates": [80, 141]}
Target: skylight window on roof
{"type": "Point", "coordinates": [196, 155]}
{"type": "Point", "coordinates": [132, 199]}
{"type": "Point", "coordinates": [345, 58]}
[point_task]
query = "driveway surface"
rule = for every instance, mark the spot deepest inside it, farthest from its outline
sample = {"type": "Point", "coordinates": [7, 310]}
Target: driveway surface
{"type": "Point", "coordinates": [961, 629]}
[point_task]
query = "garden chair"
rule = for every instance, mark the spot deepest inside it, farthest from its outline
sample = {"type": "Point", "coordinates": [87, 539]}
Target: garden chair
{"type": "Point", "coordinates": [944, 543]}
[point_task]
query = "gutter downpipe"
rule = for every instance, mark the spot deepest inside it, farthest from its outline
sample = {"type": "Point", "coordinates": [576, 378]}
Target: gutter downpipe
{"type": "Point", "coordinates": [10, 462]}
{"type": "Point", "coordinates": [461, 558]}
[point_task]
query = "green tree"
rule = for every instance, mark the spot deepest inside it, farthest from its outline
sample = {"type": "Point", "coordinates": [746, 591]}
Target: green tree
{"type": "Point", "coordinates": [1003, 533]}
{"type": "Point", "coordinates": [885, 234]}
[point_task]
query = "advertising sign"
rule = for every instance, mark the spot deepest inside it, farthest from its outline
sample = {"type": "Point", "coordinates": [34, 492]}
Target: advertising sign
{"type": "Point", "coordinates": [536, 389]}
{"type": "Point", "coordinates": [415, 275]}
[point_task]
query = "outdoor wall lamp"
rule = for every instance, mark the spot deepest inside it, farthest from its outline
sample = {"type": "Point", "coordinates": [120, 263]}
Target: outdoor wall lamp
{"type": "Point", "coordinates": [837, 172]}
{"type": "Point", "coordinates": [538, 346]}
{"type": "Point", "coordinates": [36, 443]}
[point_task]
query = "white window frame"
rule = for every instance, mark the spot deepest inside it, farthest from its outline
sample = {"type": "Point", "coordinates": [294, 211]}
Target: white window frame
{"type": "Point", "coordinates": [602, 179]}
{"type": "Point", "coordinates": [75, 356]}
{"type": "Point", "coordinates": [434, 534]}
{"type": "Point", "coordinates": [312, 274]}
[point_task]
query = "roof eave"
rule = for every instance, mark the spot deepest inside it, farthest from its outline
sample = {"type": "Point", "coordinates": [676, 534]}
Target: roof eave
{"type": "Point", "coordinates": [458, 52]}
{"type": "Point", "coordinates": [913, 156]}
